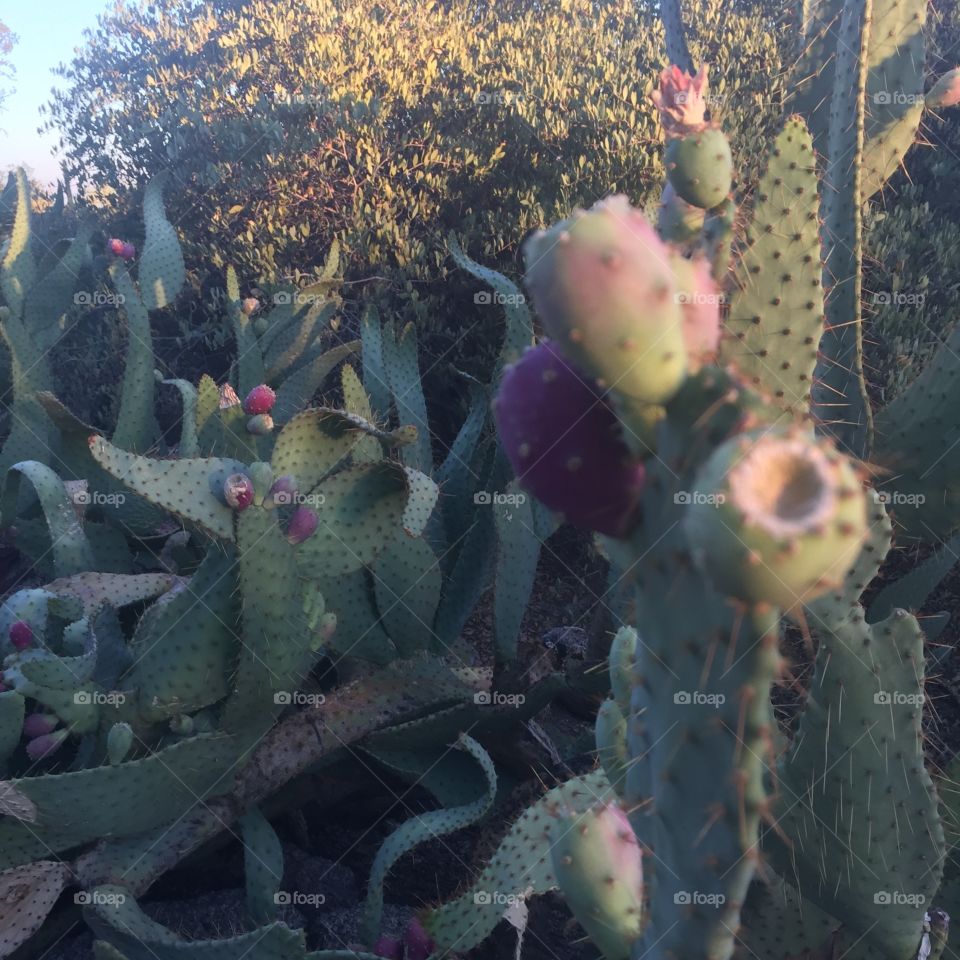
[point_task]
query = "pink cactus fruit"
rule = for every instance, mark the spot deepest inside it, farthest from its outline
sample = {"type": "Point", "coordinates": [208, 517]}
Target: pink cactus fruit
{"type": "Point", "coordinates": [39, 724]}
{"type": "Point", "coordinates": [44, 746]}
{"type": "Point", "coordinates": [238, 491]}
{"type": "Point", "coordinates": [259, 400]}
{"type": "Point", "coordinates": [389, 947]}
{"type": "Point", "coordinates": [128, 251]}
{"type": "Point", "coordinates": [417, 941]}
{"type": "Point", "coordinates": [21, 635]}
{"type": "Point", "coordinates": [946, 91]}
{"type": "Point", "coordinates": [283, 492]}
{"type": "Point", "coordinates": [681, 101]}
{"type": "Point", "coordinates": [563, 440]}
{"type": "Point", "coordinates": [699, 301]}
{"type": "Point", "coordinates": [302, 525]}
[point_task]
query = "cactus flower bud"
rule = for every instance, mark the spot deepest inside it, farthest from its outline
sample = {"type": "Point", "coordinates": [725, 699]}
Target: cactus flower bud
{"type": "Point", "coordinates": [389, 947]}
{"type": "Point", "coordinates": [46, 745]}
{"type": "Point", "coordinates": [228, 397]}
{"type": "Point", "coordinates": [250, 306]}
{"type": "Point", "coordinates": [260, 425]}
{"type": "Point", "coordinates": [39, 724]}
{"type": "Point", "coordinates": [119, 742]}
{"type": "Point", "coordinates": [238, 491]}
{"type": "Point", "coordinates": [21, 635]}
{"type": "Point", "coordinates": [417, 941]}
{"type": "Point", "coordinates": [259, 400]}
{"type": "Point", "coordinates": [303, 524]}
{"type": "Point", "coordinates": [681, 101]}
{"type": "Point", "coordinates": [282, 493]}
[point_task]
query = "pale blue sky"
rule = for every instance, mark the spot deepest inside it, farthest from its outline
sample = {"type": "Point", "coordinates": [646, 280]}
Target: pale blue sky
{"type": "Point", "coordinates": [48, 31]}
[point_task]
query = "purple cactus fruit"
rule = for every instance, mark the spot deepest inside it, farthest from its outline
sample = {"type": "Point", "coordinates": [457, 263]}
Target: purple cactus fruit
{"type": "Point", "coordinates": [238, 491]}
{"type": "Point", "coordinates": [282, 493]}
{"type": "Point", "coordinates": [39, 724]}
{"type": "Point", "coordinates": [389, 947]}
{"type": "Point", "coordinates": [699, 302]}
{"type": "Point", "coordinates": [260, 425]}
{"type": "Point", "coordinates": [128, 251]}
{"type": "Point", "coordinates": [21, 635]}
{"type": "Point", "coordinates": [563, 440]}
{"type": "Point", "coordinates": [303, 524]}
{"type": "Point", "coordinates": [45, 745]}
{"type": "Point", "coordinates": [417, 941]}
{"type": "Point", "coordinates": [259, 400]}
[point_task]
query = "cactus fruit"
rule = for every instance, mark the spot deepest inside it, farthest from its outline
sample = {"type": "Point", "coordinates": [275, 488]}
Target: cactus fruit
{"type": "Point", "coordinates": [21, 635]}
{"type": "Point", "coordinates": [250, 306]}
{"type": "Point", "coordinates": [417, 942]}
{"type": "Point", "coordinates": [945, 92]}
{"type": "Point", "coordinates": [602, 284]}
{"type": "Point", "coordinates": [119, 742]}
{"type": "Point", "coordinates": [259, 400]}
{"type": "Point", "coordinates": [389, 947]}
{"type": "Point", "coordinates": [122, 249]}
{"type": "Point", "coordinates": [699, 300]}
{"type": "Point", "coordinates": [260, 425]}
{"type": "Point", "coordinates": [777, 517]}
{"type": "Point", "coordinates": [46, 745]}
{"type": "Point", "coordinates": [303, 524]}
{"type": "Point", "coordinates": [698, 160]}
{"type": "Point", "coordinates": [238, 491]}
{"type": "Point", "coordinates": [282, 493]}
{"type": "Point", "coordinates": [39, 724]}
{"type": "Point", "coordinates": [564, 443]}
{"type": "Point", "coordinates": [598, 865]}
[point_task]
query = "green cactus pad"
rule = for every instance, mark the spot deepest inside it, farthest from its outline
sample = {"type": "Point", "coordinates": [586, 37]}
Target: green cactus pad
{"type": "Point", "coordinates": [262, 865]}
{"type": "Point", "coordinates": [312, 444]}
{"type": "Point", "coordinates": [356, 401]}
{"type": "Point", "coordinates": [520, 868]}
{"type": "Point", "coordinates": [700, 167]}
{"type": "Point", "coordinates": [28, 893]}
{"type": "Point", "coordinates": [94, 590]}
{"type": "Point", "coordinates": [407, 585]}
{"type": "Point", "coordinates": [76, 808]}
{"type": "Point", "coordinates": [359, 631]}
{"type": "Point", "coordinates": [249, 359]}
{"type": "Point", "coordinates": [298, 389]}
{"type": "Point", "coordinates": [403, 372]}
{"type": "Point", "coordinates": [191, 489]}
{"type": "Point", "coordinates": [162, 270]}
{"type": "Point", "coordinates": [360, 509]}
{"type": "Point", "coordinates": [422, 495]}
{"type": "Point", "coordinates": [623, 650]}
{"type": "Point", "coordinates": [289, 345]}
{"type": "Point", "coordinates": [426, 826]}
{"type": "Point", "coordinates": [375, 379]}
{"type": "Point", "coordinates": [185, 643]}
{"type": "Point", "coordinates": [776, 310]}
{"type": "Point", "coordinates": [855, 798]}
{"type": "Point", "coordinates": [189, 445]}
{"type": "Point", "coordinates": [18, 270]}
{"type": "Point", "coordinates": [12, 708]}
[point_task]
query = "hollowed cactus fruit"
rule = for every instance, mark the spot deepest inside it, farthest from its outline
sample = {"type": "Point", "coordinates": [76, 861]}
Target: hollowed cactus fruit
{"type": "Point", "coordinates": [603, 286]}
{"type": "Point", "coordinates": [564, 442]}
{"type": "Point", "coordinates": [598, 865]}
{"type": "Point", "coordinates": [777, 518]}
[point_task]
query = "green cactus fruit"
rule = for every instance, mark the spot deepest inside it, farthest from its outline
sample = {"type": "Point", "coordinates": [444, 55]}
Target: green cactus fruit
{"type": "Point", "coordinates": [610, 734]}
{"type": "Point", "coordinates": [678, 221]}
{"type": "Point", "coordinates": [598, 865]}
{"type": "Point", "coordinates": [260, 425]}
{"type": "Point", "coordinates": [119, 742]}
{"type": "Point", "coordinates": [777, 517]}
{"type": "Point", "coordinates": [238, 491]}
{"type": "Point", "coordinates": [699, 300]}
{"type": "Point", "coordinates": [603, 286]}
{"type": "Point", "coordinates": [623, 650]}
{"type": "Point", "coordinates": [700, 167]}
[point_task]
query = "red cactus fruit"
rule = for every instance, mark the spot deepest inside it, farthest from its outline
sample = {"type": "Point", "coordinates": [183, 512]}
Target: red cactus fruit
{"type": "Point", "coordinates": [259, 400]}
{"type": "Point", "coordinates": [39, 724]}
{"type": "Point", "coordinates": [21, 635]}
{"type": "Point", "coordinates": [238, 491]}
{"type": "Point", "coordinates": [303, 524]}
{"type": "Point", "coordinates": [46, 745]}
{"type": "Point", "coordinates": [563, 440]}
